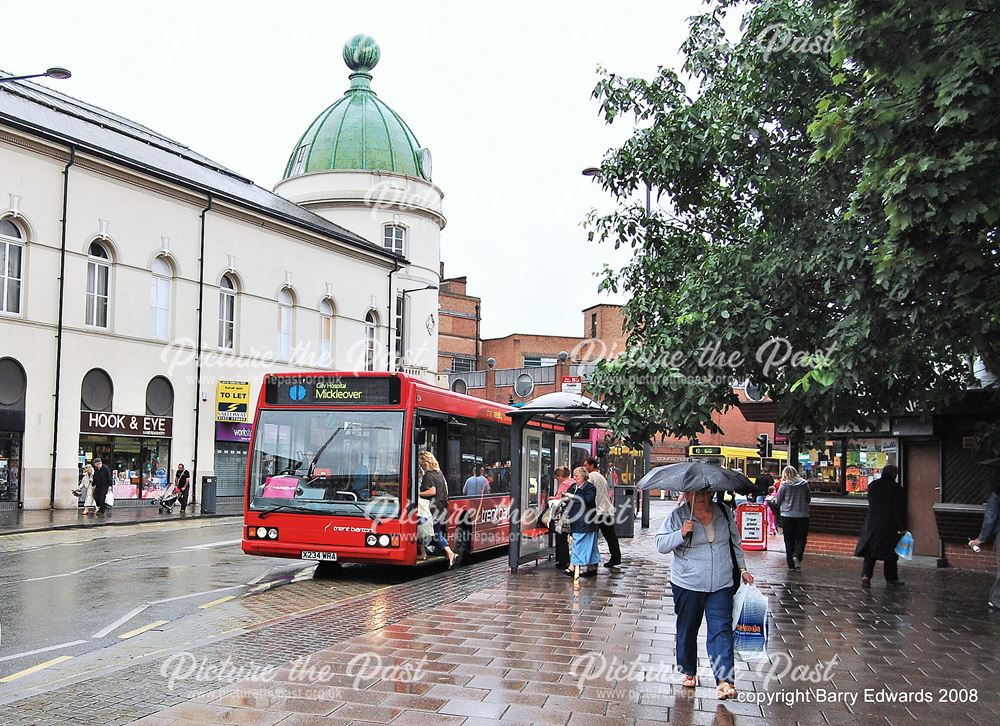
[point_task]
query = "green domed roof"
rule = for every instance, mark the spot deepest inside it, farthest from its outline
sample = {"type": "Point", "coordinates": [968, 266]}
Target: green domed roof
{"type": "Point", "coordinates": [359, 131]}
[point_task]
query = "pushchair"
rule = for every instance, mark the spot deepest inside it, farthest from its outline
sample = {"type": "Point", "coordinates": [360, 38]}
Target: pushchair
{"type": "Point", "coordinates": [168, 499]}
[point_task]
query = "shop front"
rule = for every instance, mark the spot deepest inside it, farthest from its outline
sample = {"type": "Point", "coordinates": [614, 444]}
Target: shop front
{"type": "Point", "coordinates": [232, 438]}
{"type": "Point", "coordinates": [232, 447]}
{"type": "Point", "coordinates": [13, 384]}
{"type": "Point", "coordinates": [135, 448]}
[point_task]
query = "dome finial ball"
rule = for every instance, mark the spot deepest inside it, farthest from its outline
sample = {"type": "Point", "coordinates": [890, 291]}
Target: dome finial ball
{"type": "Point", "coordinates": [361, 53]}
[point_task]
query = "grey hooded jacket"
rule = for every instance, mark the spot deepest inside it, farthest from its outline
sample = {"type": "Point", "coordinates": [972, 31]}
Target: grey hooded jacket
{"type": "Point", "coordinates": [698, 564]}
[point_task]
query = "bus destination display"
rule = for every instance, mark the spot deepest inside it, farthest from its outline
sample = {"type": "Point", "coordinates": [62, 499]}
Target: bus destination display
{"type": "Point", "coordinates": [332, 391]}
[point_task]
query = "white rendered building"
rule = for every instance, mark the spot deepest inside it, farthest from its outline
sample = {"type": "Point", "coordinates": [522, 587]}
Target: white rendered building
{"type": "Point", "coordinates": [145, 291]}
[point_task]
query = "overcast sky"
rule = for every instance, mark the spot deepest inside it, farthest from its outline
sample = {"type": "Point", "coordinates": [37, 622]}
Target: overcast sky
{"type": "Point", "coordinates": [500, 93]}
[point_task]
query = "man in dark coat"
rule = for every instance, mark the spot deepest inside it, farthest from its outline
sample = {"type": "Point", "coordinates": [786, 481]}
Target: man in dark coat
{"type": "Point", "coordinates": [883, 526]}
{"type": "Point", "coordinates": [763, 484]}
{"type": "Point", "coordinates": [102, 482]}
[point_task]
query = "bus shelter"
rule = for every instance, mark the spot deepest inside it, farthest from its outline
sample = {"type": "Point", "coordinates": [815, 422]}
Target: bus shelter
{"type": "Point", "coordinates": [564, 413]}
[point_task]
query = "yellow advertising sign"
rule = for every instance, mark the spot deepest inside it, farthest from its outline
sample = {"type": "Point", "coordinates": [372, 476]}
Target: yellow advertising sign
{"type": "Point", "coordinates": [232, 401]}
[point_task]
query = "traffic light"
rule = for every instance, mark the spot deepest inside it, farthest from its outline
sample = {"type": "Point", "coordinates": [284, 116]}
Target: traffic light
{"type": "Point", "coordinates": [763, 447]}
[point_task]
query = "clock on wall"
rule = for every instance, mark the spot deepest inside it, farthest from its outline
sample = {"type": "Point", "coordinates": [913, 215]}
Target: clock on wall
{"type": "Point", "coordinates": [426, 163]}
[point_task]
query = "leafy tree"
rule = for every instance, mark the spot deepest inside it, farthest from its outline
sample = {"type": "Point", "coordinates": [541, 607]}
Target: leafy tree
{"type": "Point", "coordinates": [772, 238]}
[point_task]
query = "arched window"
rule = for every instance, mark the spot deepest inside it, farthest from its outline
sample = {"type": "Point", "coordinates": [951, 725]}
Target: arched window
{"type": "Point", "coordinates": [97, 392]}
{"type": "Point", "coordinates": [159, 299]}
{"type": "Point", "coordinates": [285, 303]}
{"type": "Point", "coordinates": [371, 327]}
{"type": "Point", "coordinates": [326, 332]}
{"type": "Point", "coordinates": [159, 397]}
{"type": "Point", "coordinates": [394, 238]}
{"type": "Point", "coordinates": [98, 285]}
{"type": "Point", "coordinates": [11, 255]}
{"type": "Point", "coordinates": [227, 313]}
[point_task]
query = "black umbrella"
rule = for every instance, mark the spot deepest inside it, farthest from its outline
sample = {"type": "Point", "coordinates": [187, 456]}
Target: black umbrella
{"type": "Point", "coordinates": [696, 476]}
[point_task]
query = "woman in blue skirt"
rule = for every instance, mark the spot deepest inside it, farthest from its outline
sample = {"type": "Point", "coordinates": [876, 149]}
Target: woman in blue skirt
{"type": "Point", "coordinates": [581, 513]}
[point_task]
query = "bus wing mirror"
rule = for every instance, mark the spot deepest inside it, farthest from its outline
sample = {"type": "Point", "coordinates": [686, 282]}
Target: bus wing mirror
{"type": "Point", "coordinates": [420, 437]}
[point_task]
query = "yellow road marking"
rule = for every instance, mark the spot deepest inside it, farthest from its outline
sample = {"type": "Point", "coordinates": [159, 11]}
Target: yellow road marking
{"type": "Point", "coordinates": [221, 600]}
{"type": "Point", "coordinates": [143, 629]}
{"type": "Point", "coordinates": [34, 669]}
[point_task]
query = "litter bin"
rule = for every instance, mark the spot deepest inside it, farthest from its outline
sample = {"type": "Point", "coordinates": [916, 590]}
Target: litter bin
{"type": "Point", "coordinates": [208, 495]}
{"type": "Point", "coordinates": [625, 511]}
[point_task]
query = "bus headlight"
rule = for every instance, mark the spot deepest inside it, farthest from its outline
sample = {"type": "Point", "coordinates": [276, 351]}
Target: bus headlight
{"type": "Point", "coordinates": [272, 533]}
{"type": "Point", "coordinates": [383, 540]}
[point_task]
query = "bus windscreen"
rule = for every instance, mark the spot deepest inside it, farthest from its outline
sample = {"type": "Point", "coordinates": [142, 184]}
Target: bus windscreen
{"type": "Point", "coordinates": [328, 462]}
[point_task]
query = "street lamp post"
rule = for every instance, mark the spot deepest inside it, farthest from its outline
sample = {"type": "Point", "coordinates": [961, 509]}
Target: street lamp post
{"type": "Point", "coordinates": [647, 447]}
{"type": "Point", "coordinates": [54, 72]}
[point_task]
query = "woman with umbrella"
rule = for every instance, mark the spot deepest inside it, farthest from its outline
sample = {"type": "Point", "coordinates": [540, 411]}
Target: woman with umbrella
{"type": "Point", "coordinates": [708, 564]}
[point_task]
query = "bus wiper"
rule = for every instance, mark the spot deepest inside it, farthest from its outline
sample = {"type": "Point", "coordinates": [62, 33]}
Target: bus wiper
{"type": "Point", "coordinates": [272, 510]}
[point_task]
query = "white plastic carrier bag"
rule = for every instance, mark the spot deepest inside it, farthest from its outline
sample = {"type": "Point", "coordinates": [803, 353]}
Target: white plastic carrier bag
{"type": "Point", "coordinates": [904, 548]}
{"type": "Point", "coordinates": [750, 623]}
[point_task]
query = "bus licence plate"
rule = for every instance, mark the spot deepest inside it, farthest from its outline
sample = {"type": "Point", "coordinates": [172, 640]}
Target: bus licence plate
{"type": "Point", "coordinates": [329, 556]}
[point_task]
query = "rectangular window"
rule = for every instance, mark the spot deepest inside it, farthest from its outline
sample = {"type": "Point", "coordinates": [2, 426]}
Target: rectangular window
{"type": "Point", "coordinates": [159, 308]}
{"type": "Point", "coordinates": [227, 320]}
{"type": "Point", "coordinates": [284, 332]}
{"type": "Point", "coordinates": [326, 340]}
{"type": "Point", "coordinates": [299, 165]}
{"type": "Point", "coordinates": [97, 294]}
{"type": "Point", "coordinates": [537, 361]}
{"type": "Point", "coordinates": [10, 278]}
{"type": "Point", "coordinates": [395, 238]}
{"type": "Point", "coordinates": [593, 325]}
{"type": "Point", "coordinates": [463, 365]}
{"type": "Point", "coordinates": [400, 330]}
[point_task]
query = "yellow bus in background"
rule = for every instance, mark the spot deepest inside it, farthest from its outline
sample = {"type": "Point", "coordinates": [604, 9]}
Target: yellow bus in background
{"type": "Point", "coordinates": [741, 458]}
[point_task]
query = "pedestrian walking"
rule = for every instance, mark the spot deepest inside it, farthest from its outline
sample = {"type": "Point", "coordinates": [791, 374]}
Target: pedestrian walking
{"type": "Point", "coordinates": [101, 483]}
{"type": "Point", "coordinates": [987, 534]}
{"type": "Point", "coordinates": [772, 508]}
{"type": "Point", "coordinates": [563, 482]}
{"type": "Point", "coordinates": [86, 495]}
{"type": "Point", "coordinates": [434, 486]}
{"type": "Point", "coordinates": [884, 524]}
{"type": "Point", "coordinates": [605, 512]}
{"type": "Point", "coordinates": [708, 559]}
{"type": "Point", "coordinates": [793, 503]}
{"type": "Point", "coordinates": [581, 514]}
{"type": "Point", "coordinates": [182, 480]}
{"type": "Point", "coordinates": [763, 484]}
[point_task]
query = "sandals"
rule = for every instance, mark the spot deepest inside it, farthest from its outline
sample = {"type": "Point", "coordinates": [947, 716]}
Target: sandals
{"type": "Point", "coordinates": [689, 681]}
{"type": "Point", "coordinates": [725, 691]}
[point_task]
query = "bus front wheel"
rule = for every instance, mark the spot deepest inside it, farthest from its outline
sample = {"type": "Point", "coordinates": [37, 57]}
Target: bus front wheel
{"type": "Point", "coordinates": [326, 570]}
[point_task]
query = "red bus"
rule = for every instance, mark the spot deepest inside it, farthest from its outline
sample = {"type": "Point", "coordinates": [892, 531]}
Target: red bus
{"type": "Point", "coordinates": [332, 474]}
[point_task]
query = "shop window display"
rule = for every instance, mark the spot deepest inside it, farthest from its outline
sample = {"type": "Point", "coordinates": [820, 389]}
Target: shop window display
{"type": "Point", "coordinates": [847, 468]}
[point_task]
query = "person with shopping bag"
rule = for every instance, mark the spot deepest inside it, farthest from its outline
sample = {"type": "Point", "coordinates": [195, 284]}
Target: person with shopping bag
{"type": "Point", "coordinates": [708, 566]}
{"type": "Point", "coordinates": [883, 527]}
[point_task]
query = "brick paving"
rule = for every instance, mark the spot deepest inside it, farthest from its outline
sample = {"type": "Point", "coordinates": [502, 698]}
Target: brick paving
{"type": "Point", "coordinates": [480, 646]}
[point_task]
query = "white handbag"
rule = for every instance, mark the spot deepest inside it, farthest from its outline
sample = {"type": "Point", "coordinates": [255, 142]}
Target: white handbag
{"type": "Point", "coordinates": [109, 499]}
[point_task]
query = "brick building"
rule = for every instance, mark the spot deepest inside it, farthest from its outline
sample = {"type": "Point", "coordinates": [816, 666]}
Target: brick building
{"type": "Point", "coordinates": [459, 344]}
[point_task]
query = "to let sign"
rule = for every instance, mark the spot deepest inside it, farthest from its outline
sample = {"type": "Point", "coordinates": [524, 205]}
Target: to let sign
{"type": "Point", "coordinates": [123, 424]}
{"type": "Point", "coordinates": [572, 384]}
{"type": "Point", "coordinates": [232, 401]}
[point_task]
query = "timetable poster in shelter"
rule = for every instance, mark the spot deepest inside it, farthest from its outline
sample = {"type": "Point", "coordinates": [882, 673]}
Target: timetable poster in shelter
{"type": "Point", "coordinates": [232, 401]}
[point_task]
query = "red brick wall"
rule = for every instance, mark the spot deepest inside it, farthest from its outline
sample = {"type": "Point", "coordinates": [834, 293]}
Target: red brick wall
{"type": "Point", "coordinates": [456, 333]}
{"type": "Point", "coordinates": [510, 350]}
{"type": "Point", "coordinates": [957, 555]}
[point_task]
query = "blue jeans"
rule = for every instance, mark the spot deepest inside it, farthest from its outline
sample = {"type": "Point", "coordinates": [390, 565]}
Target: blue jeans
{"type": "Point", "coordinates": [716, 607]}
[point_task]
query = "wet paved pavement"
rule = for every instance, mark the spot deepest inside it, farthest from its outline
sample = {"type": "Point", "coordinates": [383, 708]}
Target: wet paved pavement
{"type": "Point", "coordinates": [22, 521]}
{"type": "Point", "coordinates": [481, 646]}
